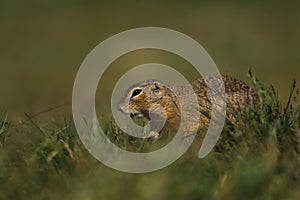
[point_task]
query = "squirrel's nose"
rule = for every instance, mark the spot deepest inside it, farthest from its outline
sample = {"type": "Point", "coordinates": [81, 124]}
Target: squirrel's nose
{"type": "Point", "coordinates": [121, 108]}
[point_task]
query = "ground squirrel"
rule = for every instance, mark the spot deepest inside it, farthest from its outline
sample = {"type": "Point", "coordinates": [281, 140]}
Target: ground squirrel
{"type": "Point", "coordinates": [158, 97]}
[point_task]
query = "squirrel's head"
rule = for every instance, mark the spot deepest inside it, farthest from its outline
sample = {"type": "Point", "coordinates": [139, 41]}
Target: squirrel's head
{"type": "Point", "coordinates": [144, 97]}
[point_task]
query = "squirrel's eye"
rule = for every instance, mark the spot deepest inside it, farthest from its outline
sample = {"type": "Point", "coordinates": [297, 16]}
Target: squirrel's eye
{"type": "Point", "coordinates": [136, 92]}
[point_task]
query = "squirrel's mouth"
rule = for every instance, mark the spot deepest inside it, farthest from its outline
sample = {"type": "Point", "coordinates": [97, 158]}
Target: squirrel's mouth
{"type": "Point", "coordinates": [136, 115]}
{"type": "Point", "coordinates": [140, 114]}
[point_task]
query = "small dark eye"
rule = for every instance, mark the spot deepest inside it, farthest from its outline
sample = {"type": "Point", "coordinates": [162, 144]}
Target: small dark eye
{"type": "Point", "coordinates": [136, 92]}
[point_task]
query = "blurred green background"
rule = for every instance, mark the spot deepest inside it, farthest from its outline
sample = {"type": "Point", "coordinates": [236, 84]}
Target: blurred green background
{"type": "Point", "coordinates": [44, 42]}
{"type": "Point", "coordinates": [42, 46]}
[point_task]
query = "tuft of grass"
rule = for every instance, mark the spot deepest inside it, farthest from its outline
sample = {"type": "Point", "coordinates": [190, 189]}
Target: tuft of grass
{"type": "Point", "coordinates": [257, 157]}
{"type": "Point", "coordinates": [3, 129]}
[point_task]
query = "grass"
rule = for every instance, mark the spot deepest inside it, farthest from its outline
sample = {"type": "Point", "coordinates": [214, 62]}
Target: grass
{"type": "Point", "coordinates": [257, 157]}
{"type": "Point", "coordinates": [3, 129]}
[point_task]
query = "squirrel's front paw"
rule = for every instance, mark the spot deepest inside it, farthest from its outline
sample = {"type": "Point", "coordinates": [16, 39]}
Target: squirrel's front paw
{"type": "Point", "coordinates": [152, 134]}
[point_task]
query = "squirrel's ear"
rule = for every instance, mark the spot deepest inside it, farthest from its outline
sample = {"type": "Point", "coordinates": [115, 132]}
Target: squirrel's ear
{"type": "Point", "coordinates": [156, 88]}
